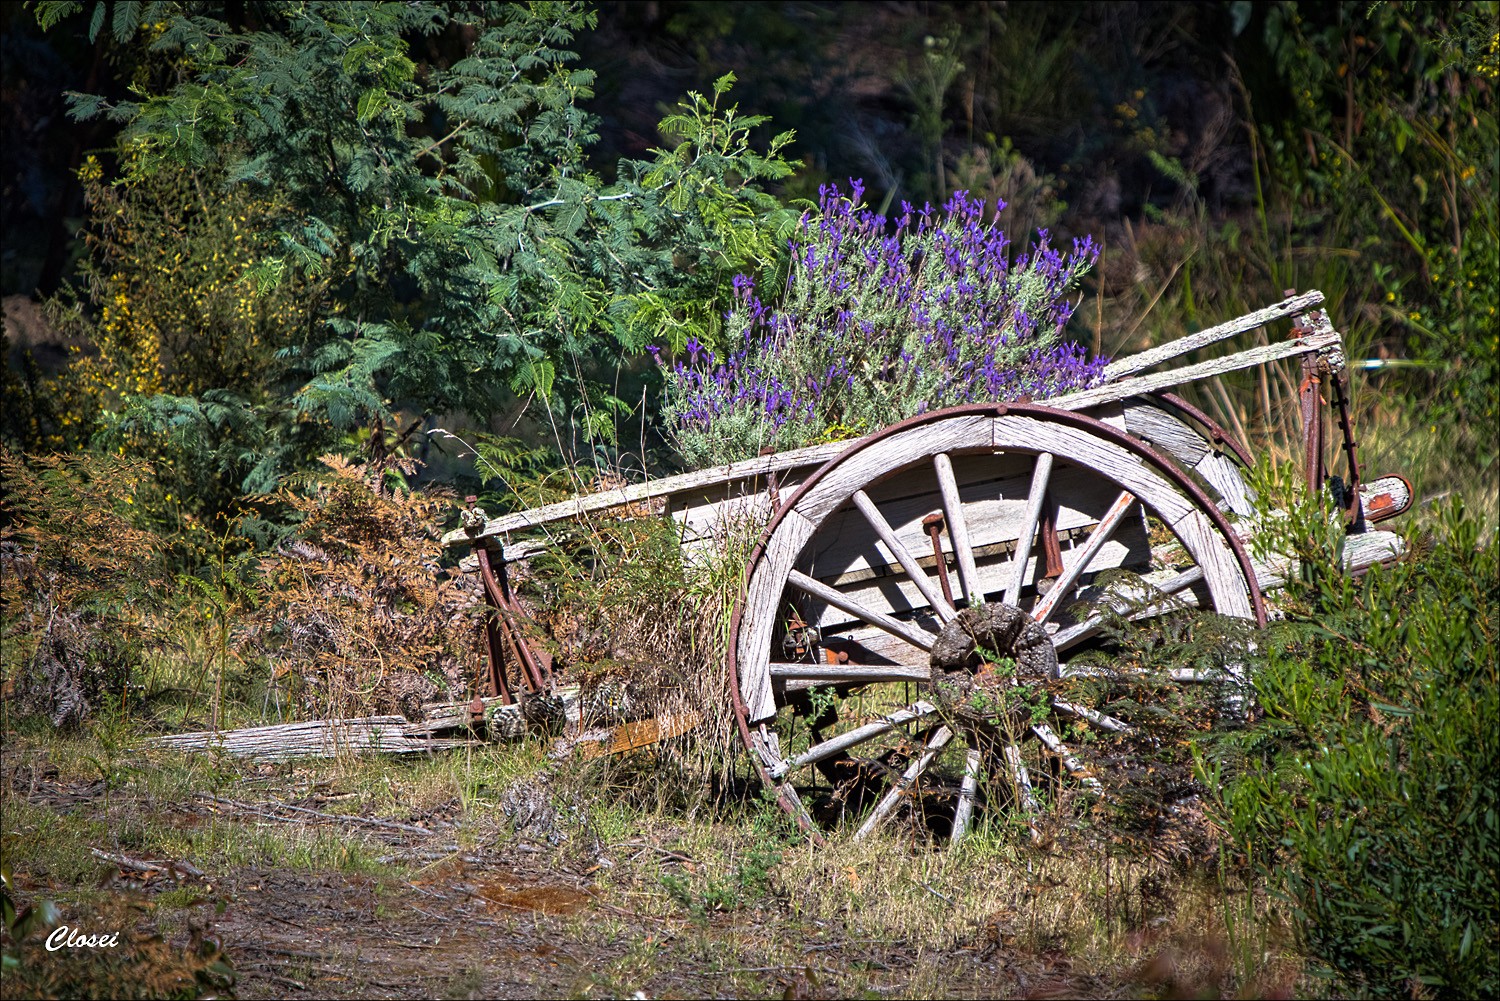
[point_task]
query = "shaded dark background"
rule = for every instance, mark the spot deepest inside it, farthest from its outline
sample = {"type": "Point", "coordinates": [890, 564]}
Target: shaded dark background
{"type": "Point", "coordinates": [1072, 87]}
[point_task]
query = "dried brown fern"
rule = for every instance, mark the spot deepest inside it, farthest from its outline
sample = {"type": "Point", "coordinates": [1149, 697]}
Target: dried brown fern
{"type": "Point", "coordinates": [356, 614]}
{"type": "Point", "coordinates": [644, 630]}
{"type": "Point", "coordinates": [83, 586]}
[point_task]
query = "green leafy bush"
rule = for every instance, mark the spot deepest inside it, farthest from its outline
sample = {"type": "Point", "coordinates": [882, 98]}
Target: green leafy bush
{"type": "Point", "coordinates": [419, 175]}
{"type": "Point", "coordinates": [1388, 149]}
{"type": "Point", "coordinates": [1367, 790]}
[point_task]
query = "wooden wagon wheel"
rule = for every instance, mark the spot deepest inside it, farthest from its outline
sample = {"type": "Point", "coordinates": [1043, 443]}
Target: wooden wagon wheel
{"type": "Point", "coordinates": [850, 590]}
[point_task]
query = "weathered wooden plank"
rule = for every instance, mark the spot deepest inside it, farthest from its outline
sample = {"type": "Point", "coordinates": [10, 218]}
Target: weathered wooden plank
{"type": "Point", "coordinates": [1165, 584]}
{"type": "Point", "coordinates": [747, 469]}
{"type": "Point", "coordinates": [316, 739]}
{"type": "Point", "coordinates": [711, 515]}
{"type": "Point", "coordinates": [1222, 473]}
{"type": "Point", "coordinates": [1182, 675]}
{"type": "Point", "coordinates": [1163, 431]}
{"type": "Point", "coordinates": [706, 519]}
{"type": "Point", "coordinates": [1361, 551]}
{"type": "Point", "coordinates": [1136, 385]}
{"type": "Point", "coordinates": [1182, 345]}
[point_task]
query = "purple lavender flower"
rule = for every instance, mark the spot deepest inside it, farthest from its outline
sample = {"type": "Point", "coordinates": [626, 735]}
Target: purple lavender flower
{"type": "Point", "coordinates": [879, 320]}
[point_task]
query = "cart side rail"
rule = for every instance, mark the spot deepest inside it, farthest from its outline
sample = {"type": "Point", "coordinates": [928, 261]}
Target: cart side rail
{"type": "Point", "coordinates": [760, 467]}
{"type": "Point", "coordinates": [1132, 364]}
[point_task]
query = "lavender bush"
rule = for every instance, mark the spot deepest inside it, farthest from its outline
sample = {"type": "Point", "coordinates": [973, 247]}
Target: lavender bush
{"type": "Point", "coordinates": [877, 324]}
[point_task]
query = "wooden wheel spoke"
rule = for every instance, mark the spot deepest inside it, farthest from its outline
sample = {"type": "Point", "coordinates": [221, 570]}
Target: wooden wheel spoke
{"type": "Point", "coordinates": [1034, 501]}
{"type": "Point", "coordinates": [1025, 795]}
{"type": "Point", "coordinates": [1070, 761]}
{"type": "Point", "coordinates": [1180, 675]}
{"type": "Point", "coordinates": [844, 741]}
{"type": "Point", "coordinates": [1103, 721]}
{"type": "Point", "coordinates": [958, 528]}
{"type": "Point", "coordinates": [903, 785]}
{"type": "Point", "coordinates": [1073, 635]}
{"type": "Point", "coordinates": [848, 674]}
{"type": "Point", "coordinates": [911, 634]}
{"type": "Point", "coordinates": [1032, 476]}
{"type": "Point", "coordinates": [903, 555]}
{"type": "Point", "coordinates": [966, 793]}
{"type": "Point", "coordinates": [1105, 530]}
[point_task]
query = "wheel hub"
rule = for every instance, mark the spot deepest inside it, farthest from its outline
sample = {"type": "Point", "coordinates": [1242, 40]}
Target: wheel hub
{"type": "Point", "coordinates": [991, 633]}
{"type": "Point", "coordinates": [982, 660]}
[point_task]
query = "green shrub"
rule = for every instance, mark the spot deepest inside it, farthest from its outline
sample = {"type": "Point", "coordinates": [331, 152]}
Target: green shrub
{"type": "Point", "coordinates": [1367, 793]}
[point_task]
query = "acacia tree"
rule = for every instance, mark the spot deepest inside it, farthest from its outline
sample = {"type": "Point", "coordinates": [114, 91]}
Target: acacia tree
{"type": "Point", "coordinates": [424, 167]}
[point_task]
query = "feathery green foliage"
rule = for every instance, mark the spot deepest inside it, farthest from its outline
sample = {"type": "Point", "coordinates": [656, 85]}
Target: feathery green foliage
{"type": "Point", "coordinates": [425, 179]}
{"type": "Point", "coordinates": [1367, 793]}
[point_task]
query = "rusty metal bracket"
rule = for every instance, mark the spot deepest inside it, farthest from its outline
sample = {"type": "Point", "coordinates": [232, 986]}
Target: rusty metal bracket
{"type": "Point", "coordinates": [1310, 400]}
{"type": "Point", "coordinates": [1327, 367]}
{"type": "Point", "coordinates": [1052, 561]}
{"type": "Point", "coordinates": [1353, 505]}
{"type": "Point", "coordinates": [494, 640]}
{"type": "Point", "coordinates": [503, 614]}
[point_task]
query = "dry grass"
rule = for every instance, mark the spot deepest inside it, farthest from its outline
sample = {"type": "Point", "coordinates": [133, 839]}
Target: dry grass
{"type": "Point", "coordinates": [643, 626]}
{"type": "Point", "coordinates": [1109, 914]}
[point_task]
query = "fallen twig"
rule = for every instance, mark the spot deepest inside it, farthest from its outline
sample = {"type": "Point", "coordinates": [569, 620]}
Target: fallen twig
{"type": "Point", "coordinates": [178, 869]}
{"type": "Point", "coordinates": [347, 818]}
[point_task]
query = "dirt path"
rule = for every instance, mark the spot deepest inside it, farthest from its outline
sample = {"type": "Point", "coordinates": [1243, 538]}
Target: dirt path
{"type": "Point", "coordinates": [361, 906]}
{"type": "Point", "coordinates": [337, 936]}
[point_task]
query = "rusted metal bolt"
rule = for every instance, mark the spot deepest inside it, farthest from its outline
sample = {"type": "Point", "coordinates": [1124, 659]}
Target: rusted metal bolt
{"type": "Point", "coordinates": [934, 525]}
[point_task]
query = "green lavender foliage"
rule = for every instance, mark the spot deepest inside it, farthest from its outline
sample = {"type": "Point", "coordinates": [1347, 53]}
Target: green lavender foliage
{"type": "Point", "coordinates": [1367, 793]}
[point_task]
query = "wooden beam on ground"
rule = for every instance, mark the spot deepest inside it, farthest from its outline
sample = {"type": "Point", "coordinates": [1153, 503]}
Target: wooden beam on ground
{"type": "Point", "coordinates": [366, 735]}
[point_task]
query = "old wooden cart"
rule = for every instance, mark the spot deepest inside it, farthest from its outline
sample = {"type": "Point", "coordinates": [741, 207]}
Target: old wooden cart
{"type": "Point", "coordinates": [962, 555]}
